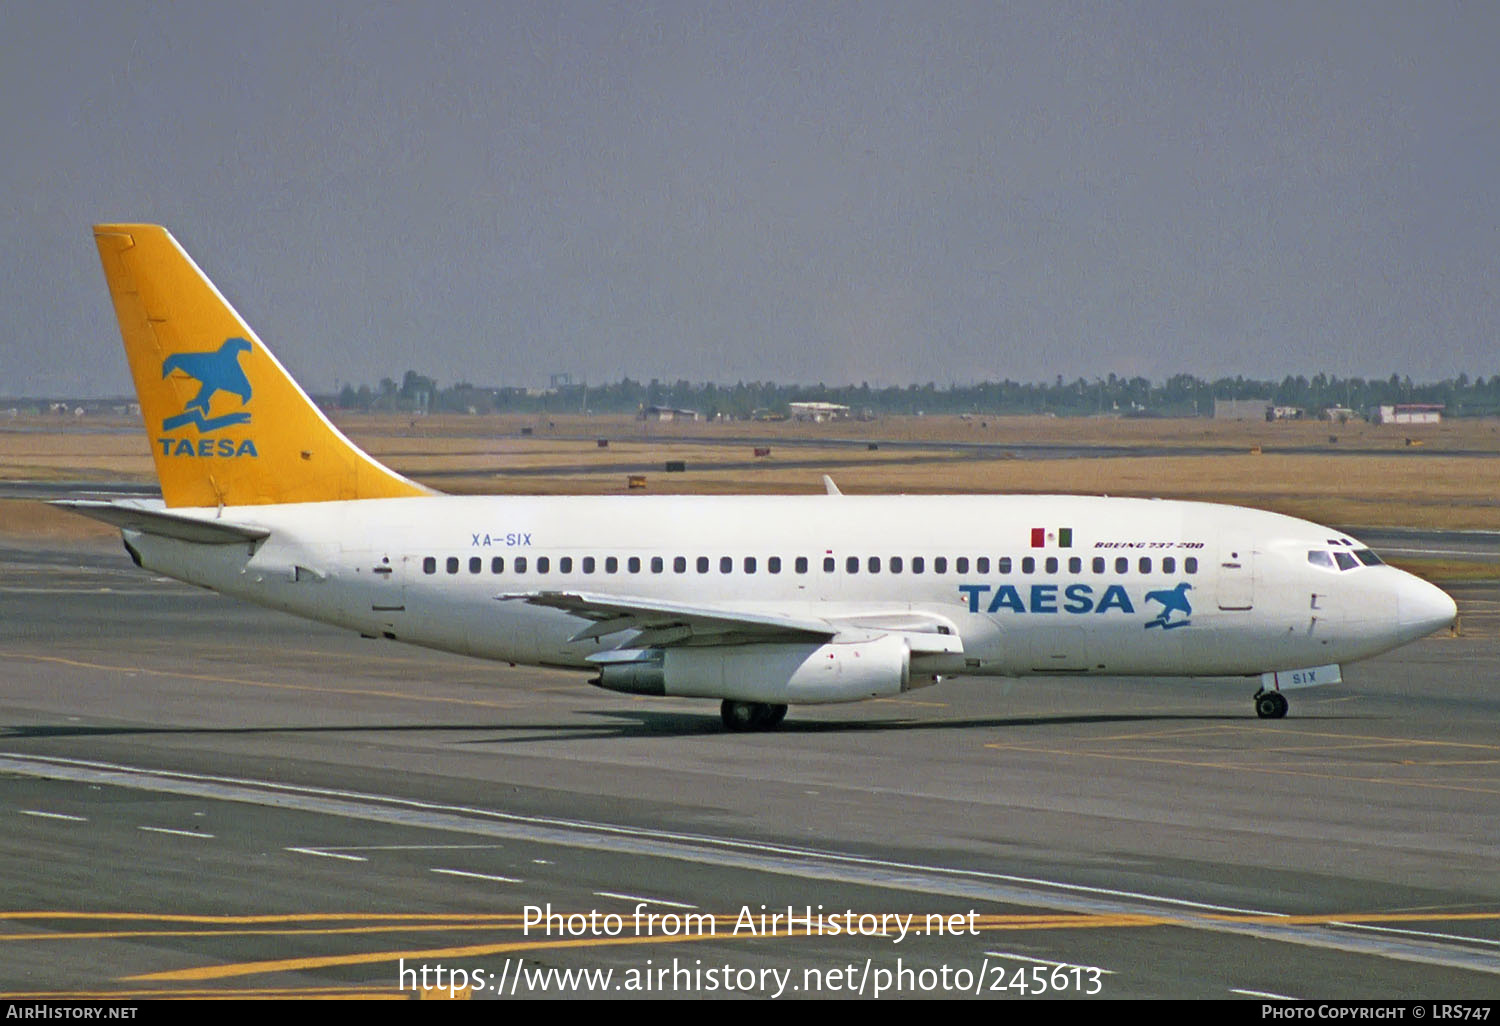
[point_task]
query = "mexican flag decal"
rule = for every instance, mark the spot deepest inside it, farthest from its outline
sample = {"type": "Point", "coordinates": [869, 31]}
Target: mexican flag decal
{"type": "Point", "coordinates": [1062, 537]}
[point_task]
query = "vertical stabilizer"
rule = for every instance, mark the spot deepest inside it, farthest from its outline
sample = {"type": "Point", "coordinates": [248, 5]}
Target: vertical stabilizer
{"type": "Point", "coordinates": [228, 425]}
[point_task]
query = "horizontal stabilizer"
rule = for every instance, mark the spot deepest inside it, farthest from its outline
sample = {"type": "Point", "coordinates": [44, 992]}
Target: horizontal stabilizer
{"type": "Point", "coordinates": [154, 520]}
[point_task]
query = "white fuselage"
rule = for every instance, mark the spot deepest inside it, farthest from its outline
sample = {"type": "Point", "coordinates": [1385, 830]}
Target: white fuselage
{"type": "Point", "coordinates": [1030, 584]}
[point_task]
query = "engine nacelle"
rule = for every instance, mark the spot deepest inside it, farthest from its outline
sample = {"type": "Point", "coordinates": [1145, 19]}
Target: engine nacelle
{"type": "Point", "coordinates": [779, 674]}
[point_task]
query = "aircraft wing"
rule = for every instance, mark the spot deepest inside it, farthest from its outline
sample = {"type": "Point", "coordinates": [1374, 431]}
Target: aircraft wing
{"type": "Point", "coordinates": [658, 623]}
{"type": "Point", "coordinates": [666, 623]}
{"type": "Point", "coordinates": [155, 520]}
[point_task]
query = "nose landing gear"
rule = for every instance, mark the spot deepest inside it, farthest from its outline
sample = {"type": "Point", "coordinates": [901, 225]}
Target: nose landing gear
{"type": "Point", "coordinates": [1270, 705]}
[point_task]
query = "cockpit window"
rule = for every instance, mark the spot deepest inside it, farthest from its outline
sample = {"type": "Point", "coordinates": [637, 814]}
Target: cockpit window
{"type": "Point", "coordinates": [1341, 559]}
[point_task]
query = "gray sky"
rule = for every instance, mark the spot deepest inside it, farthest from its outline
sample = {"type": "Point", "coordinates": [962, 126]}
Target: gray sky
{"type": "Point", "coordinates": [790, 192]}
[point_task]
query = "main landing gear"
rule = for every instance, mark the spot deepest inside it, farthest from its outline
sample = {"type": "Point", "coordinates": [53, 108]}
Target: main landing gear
{"type": "Point", "coordinates": [742, 717]}
{"type": "Point", "coordinates": [1270, 705]}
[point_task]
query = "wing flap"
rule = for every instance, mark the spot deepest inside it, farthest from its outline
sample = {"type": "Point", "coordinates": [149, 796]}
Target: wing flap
{"type": "Point", "coordinates": [613, 614]}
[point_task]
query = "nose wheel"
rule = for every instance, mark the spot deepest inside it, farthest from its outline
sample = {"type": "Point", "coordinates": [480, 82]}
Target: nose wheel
{"type": "Point", "coordinates": [1270, 705]}
{"type": "Point", "coordinates": [747, 716]}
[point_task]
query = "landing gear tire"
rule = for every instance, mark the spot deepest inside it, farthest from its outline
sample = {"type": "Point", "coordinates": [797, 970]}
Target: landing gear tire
{"type": "Point", "coordinates": [1270, 705]}
{"type": "Point", "coordinates": [743, 717]}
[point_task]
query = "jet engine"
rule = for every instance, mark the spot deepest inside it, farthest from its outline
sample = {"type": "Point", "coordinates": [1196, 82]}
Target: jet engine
{"type": "Point", "coordinates": [775, 674]}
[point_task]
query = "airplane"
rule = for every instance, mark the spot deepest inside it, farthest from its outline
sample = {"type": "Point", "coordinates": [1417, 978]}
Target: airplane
{"type": "Point", "coordinates": [760, 602]}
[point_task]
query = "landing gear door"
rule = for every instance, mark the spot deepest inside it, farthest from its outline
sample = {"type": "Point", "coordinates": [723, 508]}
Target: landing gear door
{"type": "Point", "coordinates": [1058, 649]}
{"type": "Point", "coordinates": [1236, 573]}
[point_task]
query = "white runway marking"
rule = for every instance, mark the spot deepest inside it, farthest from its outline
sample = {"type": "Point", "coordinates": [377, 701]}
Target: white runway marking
{"type": "Point", "coordinates": [478, 876]}
{"type": "Point", "coordinates": [329, 854]}
{"type": "Point", "coordinates": [1047, 961]}
{"type": "Point", "coordinates": [177, 833]}
{"type": "Point", "coordinates": [1460, 938]}
{"type": "Point", "coordinates": [637, 897]}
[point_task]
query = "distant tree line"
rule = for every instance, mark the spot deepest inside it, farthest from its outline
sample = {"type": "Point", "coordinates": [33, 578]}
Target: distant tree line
{"type": "Point", "coordinates": [1179, 396]}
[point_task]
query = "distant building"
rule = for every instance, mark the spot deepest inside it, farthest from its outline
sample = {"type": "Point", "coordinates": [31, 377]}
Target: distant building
{"type": "Point", "coordinates": [1407, 413]}
{"type": "Point", "coordinates": [1242, 409]}
{"type": "Point", "coordinates": [818, 412]}
{"type": "Point", "coordinates": [1285, 413]}
{"type": "Point", "coordinates": [1337, 414]}
{"type": "Point", "coordinates": [666, 413]}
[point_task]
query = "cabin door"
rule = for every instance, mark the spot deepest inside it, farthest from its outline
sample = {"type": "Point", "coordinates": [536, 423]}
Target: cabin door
{"type": "Point", "coordinates": [1236, 584]}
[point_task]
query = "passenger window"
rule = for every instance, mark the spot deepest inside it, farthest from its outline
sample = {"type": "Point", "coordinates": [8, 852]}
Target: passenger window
{"type": "Point", "coordinates": [1098, 565]}
{"type": "Point", "coordinates": [773, 564]}
{"type": "Point", "coordinates": [939, 564]}
{"type": "Point", "coordinates": [1075, 565]}
{"type": "Point", "coordinates": [1005, 564]}
{"type": "Point", "coordinates": [896, 564]}
{"type": "Point", "coordinates": [1028, 565]}
{"type": "Point", "coordinates": [982, 565]}
{"type": "Point", "coordinates": [749, 564]}
{"type": "Point", "coordinates": [543, 564]}
{"type": "Point", "coordinates": [828, 564]}
{"type": "Point", "coordinates": [453, 564]}
{"type": "Point", "coordinates": [1190, 564]}
{"type": "Point", "coordinates": [657, 565]}
{"type": "Point", "coordinates": [851, 565]}
{"type": "Point", "coordinates": [1345, 561]}
{"type": "Point", "coordinates": [520, 564]}
{"type": "Point", "coordinates": [611, 565]}
{"type": "Point", "coordinates": [497, 565]}
{"type": "Point", "coordinates": [588, 564]}
{"type": "Point", "coordinates": [1168, 565]}
{"type": "Point", "coordinates": [801, 564]}
{"type": "Point", "coordinates": [1122, 565]}
{"type": "Point", "coordinates": [703, 564]}
{"type": "Point", "coordinates": [679, 564]}
{"type": "Point", "coordinates": [918, 564]}
{"type": "Point", "coordinates": [961, 565]}
{"type": "Point", "coordinates": [429, 565]}
{"type": "Point", "coordinates": [726, 564]}
{"type": "Point", "coordinates": [565, 565]}
{"type": "Point", "coordinates": [633, 564]}
{"type": "Point", "coordinates": [1145, 564]}
{"type": "Point", "coordinates": [1051, 564]}
{"type": "Point", "coordinates": [1317, 557]}
{"type": "Point", "coordinates": [874, 565]}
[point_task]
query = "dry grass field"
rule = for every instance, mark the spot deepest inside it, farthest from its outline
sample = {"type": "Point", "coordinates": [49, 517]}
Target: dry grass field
{"type": "Point", "coordinates": [1353, 475]}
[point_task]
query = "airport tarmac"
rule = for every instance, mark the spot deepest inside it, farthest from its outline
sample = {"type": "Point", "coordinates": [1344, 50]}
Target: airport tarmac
{"type": "Point", "coordinates": [202, 797]}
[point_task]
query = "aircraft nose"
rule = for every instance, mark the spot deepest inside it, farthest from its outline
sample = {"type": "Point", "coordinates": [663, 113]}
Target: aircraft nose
{"type": "Point", "coordinates": [1423, 608]}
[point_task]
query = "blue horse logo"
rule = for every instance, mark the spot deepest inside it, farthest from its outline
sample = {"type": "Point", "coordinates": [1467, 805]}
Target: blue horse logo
{"type": "Point", "coordinates": [1172, 601]}
{"type": "Point", "coordinates": [218, 371]}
